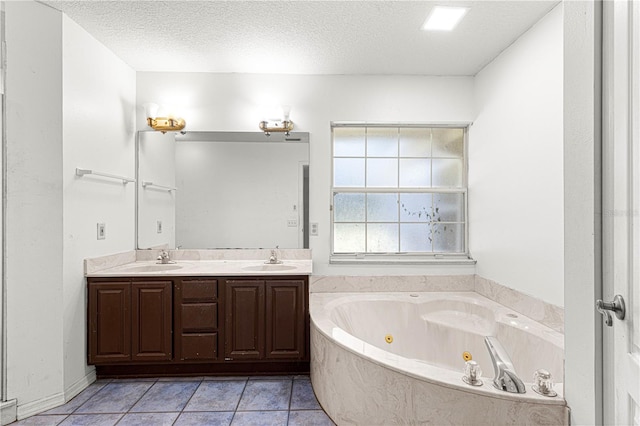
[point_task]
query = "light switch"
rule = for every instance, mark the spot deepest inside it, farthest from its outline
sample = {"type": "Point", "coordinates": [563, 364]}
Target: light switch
{"type": "Point", "coordinates": [102, 232]}
{"type": "Point", "coordinates": [159, 227]}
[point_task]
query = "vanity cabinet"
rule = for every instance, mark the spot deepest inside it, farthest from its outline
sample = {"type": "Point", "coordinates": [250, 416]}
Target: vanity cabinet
{"type": "Point", "coordinates": [198, 325]}
{"type": "Point", "coordinates": [196, 320]}
{"type": "Point", "coordinates": [129, 321]}
{"type": "Point", "coordinates": [265, 319]}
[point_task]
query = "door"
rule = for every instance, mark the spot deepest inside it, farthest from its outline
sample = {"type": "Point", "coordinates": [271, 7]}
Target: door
{"type": "Point", "coordinates": [244, 319]}
{"type": "Point", "coordinates": [285, 309]}
{"type": "Point", "coordinates": [621, 209]}
{"type": "Point", "coordinates": [151, 321]}
{"type": "Point", "coordinates": [109, 322]}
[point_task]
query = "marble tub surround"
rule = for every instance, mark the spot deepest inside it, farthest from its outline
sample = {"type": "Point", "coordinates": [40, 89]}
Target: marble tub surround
{"type": "Point", "coordinates": [94, 264]}
{"type": "Point", "coordinates": [226, 254]}
{"type": "Point", "coordinates": [545, 313]}
{"type": "Point", "coordinates": [550, 315]}
{"type": "Point", "coordinates": [355, 391]}
{"type": "Point", "coordinates": [360, 378]}
{"type": "Point", "coordinates": [342, 283]}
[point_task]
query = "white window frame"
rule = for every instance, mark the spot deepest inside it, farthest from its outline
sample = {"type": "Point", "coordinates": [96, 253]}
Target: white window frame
{"type": "Point", "coordinates": [411, 257]}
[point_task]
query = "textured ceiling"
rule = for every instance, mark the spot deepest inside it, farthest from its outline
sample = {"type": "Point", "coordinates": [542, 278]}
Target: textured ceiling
{"type": "Point", "coordinates": [302, 37]}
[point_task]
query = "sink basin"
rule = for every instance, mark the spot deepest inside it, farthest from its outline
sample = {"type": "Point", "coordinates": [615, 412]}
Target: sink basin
{"type": "Point", "coordinates": [153, 268]}
{"type": "Point", "coordinates": [269, 267]}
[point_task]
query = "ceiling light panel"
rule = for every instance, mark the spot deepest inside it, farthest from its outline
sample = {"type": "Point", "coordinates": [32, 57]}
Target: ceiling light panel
{"type": "Point", "coordinates": [444, 18]}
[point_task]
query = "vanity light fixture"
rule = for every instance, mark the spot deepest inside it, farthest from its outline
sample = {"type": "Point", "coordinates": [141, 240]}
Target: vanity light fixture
{"type": "Point", "coordinates": [162, 124]}
{"type": "Point", "coordinates": [276, 125]}
{"type": "Point", "coordinates": [444, 18]}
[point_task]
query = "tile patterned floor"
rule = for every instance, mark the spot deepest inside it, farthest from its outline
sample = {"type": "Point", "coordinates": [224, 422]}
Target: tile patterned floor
{"type": "Point", "coordinates": [236, 401]}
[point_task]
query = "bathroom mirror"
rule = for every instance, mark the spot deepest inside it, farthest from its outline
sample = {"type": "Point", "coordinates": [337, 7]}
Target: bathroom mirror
{"type": "Point", "coordinates": [208, 190]}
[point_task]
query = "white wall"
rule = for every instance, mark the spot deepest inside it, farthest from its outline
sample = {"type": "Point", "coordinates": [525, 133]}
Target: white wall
{"type": "Point", "coordinates": [232, 102]}
{"type": "Point", "coordinates": [98, 133]}
{"type": "Point", "coordinates": [516, 170]}
{"type": "Point", "coordinates": [583, 215]}
{"type": "Point", "coordinates": [239, 194]}
{"type": "Point", "coordinates": [70, 103]}
{"type": "Point", "coordinates": [34, 249]}
{"type": "Point", "coordinates": [157, 164]}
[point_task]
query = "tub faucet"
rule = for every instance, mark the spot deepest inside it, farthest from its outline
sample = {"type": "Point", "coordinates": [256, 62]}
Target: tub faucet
{"type": "Point", "coordinates": [506, 378]}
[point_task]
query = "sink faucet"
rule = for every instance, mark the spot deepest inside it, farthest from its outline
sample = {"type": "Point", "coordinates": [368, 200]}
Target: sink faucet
{"type": "Point", "coordinates": [506, 378]}
{"type": "Point", "coordinates": [164, 257]}
{"type": "Point", "coordinates": [273, 258]}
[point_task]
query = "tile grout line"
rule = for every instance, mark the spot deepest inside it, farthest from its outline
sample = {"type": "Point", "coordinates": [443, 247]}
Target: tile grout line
{"type": "Point", "coordinates": [138, 400]}
{"type": "Point", "coordinates": [188, 401]}
{"type": "Point", "coordinates": [290, 399]}
{"type": "Point", "coordinates": [239, 399]}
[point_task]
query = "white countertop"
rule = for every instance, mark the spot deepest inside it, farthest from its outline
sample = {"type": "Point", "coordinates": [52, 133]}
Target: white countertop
{"type": "Point", "coordinates": [199, 268]}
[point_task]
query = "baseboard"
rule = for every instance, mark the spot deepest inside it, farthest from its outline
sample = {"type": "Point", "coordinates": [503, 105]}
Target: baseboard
{"type": "Point", "coordinates": [8, 412]}
{"type": "Point", "coordinates": [80, 385]}
{"type": "Point", "coordinates": [36, 407]}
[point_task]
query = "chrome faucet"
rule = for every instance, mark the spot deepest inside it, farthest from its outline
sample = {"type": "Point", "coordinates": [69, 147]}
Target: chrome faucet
{"type": "Point", "coordinates": [506, 378]}
{"type": "Point", "coordinates": [164, 257]}
{"type": "Point", "coordinates": [273, 258]}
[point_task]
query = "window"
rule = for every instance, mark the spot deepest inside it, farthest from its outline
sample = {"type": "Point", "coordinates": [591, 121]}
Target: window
{"type": "Point", "coordinates": [398, 192]}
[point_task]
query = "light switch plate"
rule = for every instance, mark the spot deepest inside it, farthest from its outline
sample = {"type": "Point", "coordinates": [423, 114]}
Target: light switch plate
{"type": "Point", "coordinates": [292, 223]}
{"type": "Point", "coordinates": [102, 231]}
{"type": "Point", "coordinates": [159, 227]}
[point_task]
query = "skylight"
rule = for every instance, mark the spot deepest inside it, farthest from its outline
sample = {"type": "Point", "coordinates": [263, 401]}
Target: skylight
{"type": "Point", "coordinates": [444, 18]}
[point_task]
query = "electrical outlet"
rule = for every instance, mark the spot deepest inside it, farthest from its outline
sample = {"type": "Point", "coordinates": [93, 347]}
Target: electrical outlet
{"type": "Point", "coordinates": [292, 223]}
{"type": "Point", "coordinates": [159, 227]}
{"type": "Point", "coordinates": [314, 228]}
{"type": "Point", "coordinates": [102, 232]}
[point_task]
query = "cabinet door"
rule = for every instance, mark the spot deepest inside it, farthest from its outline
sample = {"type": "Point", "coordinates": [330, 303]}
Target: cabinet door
{"type": "Point", "coordinates": [151, 321]}
{"type": "Point", "coordinates": [109, 322]}
{"type": "Point", "coordinates": [244, 319]}
{"type": "Point", "coordinates": [285, 320]}
{"type": "Point", "coordinates": [196, 320]}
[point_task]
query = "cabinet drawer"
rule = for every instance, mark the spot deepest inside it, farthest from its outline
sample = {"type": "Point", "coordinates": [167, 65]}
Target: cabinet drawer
{"type": "Point", "coordinates": [193, 290]}
{"type": "Point", "coordinates": [199, 346]}
{"type": "Point", "coordinates": [199, 317]}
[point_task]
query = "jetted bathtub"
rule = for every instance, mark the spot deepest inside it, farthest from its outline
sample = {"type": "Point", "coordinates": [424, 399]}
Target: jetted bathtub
{"type": "Point", "coordinates": [397, 358]}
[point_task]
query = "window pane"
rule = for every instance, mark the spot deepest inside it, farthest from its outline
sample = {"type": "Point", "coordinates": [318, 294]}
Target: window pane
{"type": "Point", "coordinates": [415, 173]}
{"type": "Point", "coordinates": [382, 207]}
{"type": "Point", "coordinates": [348, 208]}
{"type": "Point", "coordinates": [348, 141]}
{"type": "Point", "coordinates": [415, 237]}
{"type": "Point", "coordinates": [449, 207]}
{"type": "Point", "coordinates": [382, 142]}
{"type": "Point", "coordinates": [447, 173]}
{"type": "Point", "coordinates": [415, 142]}
{"type": "Point", "coordinates": [348, 172]}
{"type": "Point", "coordinates": [382, 238]}
{"type": "Point", "coordinates": [448, 238]}
{"type": "Point", "coordinates": [447, 142]}
{"type": "Point", "coordinates": [415, 207]}
{"type": "Point", "coordinates": [348, 238]}
{"type": "Point", "coordinates": [382, 172]}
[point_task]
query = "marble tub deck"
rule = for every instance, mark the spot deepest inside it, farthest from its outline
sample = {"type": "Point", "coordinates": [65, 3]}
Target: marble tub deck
{"type": "Point", "coordinates": [276, 400]}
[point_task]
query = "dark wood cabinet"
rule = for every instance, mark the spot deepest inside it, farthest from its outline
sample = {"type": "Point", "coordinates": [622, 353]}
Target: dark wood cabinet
{"type": "Point", "coordinates": [198, 325]}
{"type": "Point", "coordinates": [196, 320]}
{"type": "Point", "coordinates": [109, 322]}
{"type": "Point", "coordinates": [265, 319]}
{"type": "Point", "coordinates": [129, 321]}
{"type": "Point", "coordinates": [286, 318]}
{"type": "Point", "coordinates": [151, 321]}
{"type": "Point", "coordinates": [244, 319]}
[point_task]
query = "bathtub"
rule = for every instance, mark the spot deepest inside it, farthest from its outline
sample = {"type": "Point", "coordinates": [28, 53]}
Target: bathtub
{"type": "Point", "coordinates": [397, 358]}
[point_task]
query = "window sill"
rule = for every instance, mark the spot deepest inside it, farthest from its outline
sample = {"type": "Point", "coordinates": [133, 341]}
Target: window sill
{"type": "Point", "coordinates": [387, 259]}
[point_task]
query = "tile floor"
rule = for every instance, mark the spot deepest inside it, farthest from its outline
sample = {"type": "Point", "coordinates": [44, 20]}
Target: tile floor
{"type": "Point", "coordinates": [260, 401]}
